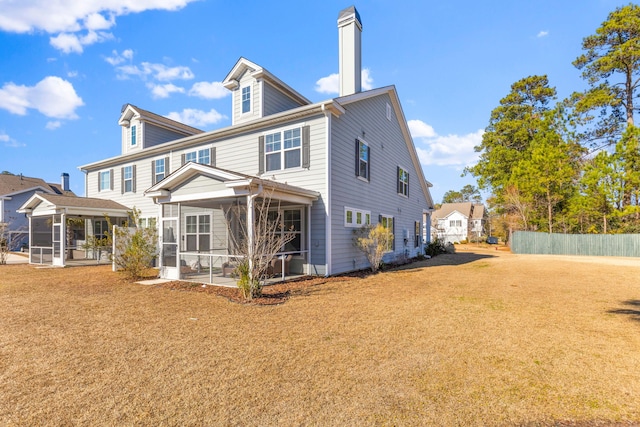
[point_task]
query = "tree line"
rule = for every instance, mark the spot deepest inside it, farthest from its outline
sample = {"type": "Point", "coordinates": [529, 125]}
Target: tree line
{"type": "Point", "coordinates": [570, 165]}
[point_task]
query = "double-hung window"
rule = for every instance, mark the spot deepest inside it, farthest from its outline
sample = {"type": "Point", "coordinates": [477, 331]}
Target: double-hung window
{"type": "Point", "coordinates": [105, 180]}
{"type": "Point", "coordinates": [362, 160]}
{"type": "Point", "coordinates": [291, 222]}
{"type": "Point", "coordinates": [455, 223]}
{"type": "Point", "coordinates": [403, 182]}
{"type": "Point", "coordinates": [283, 149]}
{"type": "Point", "coordinates": [133, 135]}
{"type": "Point", "coordinates": [198, 232]}
{"type": "Point", "coordinates": [199, 156]}
{"type": "Point", "coordinates": [246, 99]}
{"type": "Point", "coordinates": [159, 169]}
{"type": "Point", "coordinates": [387, 222]}
{"type": "Point", "coordinates": [127, 179]}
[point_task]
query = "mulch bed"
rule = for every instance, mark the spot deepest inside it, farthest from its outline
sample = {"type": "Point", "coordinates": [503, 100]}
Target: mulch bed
{"type": "Point", "coordinates": [274, 294]}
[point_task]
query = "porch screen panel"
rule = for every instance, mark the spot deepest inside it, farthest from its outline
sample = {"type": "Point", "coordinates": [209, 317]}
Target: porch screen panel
{"type": "Point", "coordinates": [204, 233]}
{"type": "Point", "coordinates": [169, 243]}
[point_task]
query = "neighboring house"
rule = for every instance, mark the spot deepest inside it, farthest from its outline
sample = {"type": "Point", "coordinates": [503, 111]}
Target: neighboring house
{"type": "Point", "coordinates": [15, 190]}
{"type": "Point", "coordinates": [329, 167]}
{"type": "Point", "coordinates": [455, 222]}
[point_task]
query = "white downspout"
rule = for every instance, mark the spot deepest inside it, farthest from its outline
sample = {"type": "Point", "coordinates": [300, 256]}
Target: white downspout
{"type": "Point", "coordinates": [328, 254]}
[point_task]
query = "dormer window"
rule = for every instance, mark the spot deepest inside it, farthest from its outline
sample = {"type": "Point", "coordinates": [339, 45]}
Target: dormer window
{"type": "Point", "coordinates": [246, 99]}
{"type": "Point", "coordinates": [133, 135]}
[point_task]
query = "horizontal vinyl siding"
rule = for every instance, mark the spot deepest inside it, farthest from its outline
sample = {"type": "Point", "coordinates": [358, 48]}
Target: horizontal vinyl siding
{"type": "Point", "coordinates": [199, 184]}
{"type": "Point", "coordinates": [154, 135]}
{"type": "Point", "coordinates": [276, 101]}
{"type": "Point", "coordinates": [388, 150]}
{"type": "Point", "coordinates": [238, 154]}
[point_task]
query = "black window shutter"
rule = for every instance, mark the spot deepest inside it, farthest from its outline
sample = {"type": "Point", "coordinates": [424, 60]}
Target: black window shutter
{"type": "Point", "coordinates": [121, 180]}
{"type": "Point", "coordinates": [153, 172]}
{"type": "Point", "coordinates": [416, 227]}
{"type": "Point", "coordinates": [111, 179]}
{"type": "Point", "coordinates": [133, 178]}
{"type": "Point", "coordinates": [212, 156]}
{"type": "Point", "coordinates": [183, 158]}
{"type": "Point", "coordinates": [398, 181]}
{"type": "Point", "coordinates": [261, 155]}
{"type": "Point", "coordinates": [380, 219]}
{"type": "Point", "coordinates": [357, 157]}
{"type": "Point", "coordinates": [306, 146]}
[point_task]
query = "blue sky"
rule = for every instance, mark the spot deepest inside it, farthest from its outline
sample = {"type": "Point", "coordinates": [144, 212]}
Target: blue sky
{"type": "Point", "coordinates": [67, 67]}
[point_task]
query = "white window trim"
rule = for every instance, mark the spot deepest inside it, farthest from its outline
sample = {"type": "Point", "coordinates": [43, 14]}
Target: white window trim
{"type": "Point", "coordinates": [250, 86]}
{"type": "Point", "coordinates": [198, 233]}
{"type": "Point", "coordinates": [108, 171]}
{"type": "Point", "coordinates": [388, 112]}
{"type": "Point", "coordinates": [124, 180]}
{"type": "Point", "coordinates": [155, 174]}
{"type": "Point", "coordinates": [360, 177]}
{"type": "Point", "coordinates": [354, 215]}
{"type": "Point", "coordinates": [131, 128]}
{"type": "Point", "coordinates": [282, 150]}
{"type": "Point", "coordinates": [303, 223]}
{"type": "Point", "coordinates": [197, 155]}
{"type": "Point", "coordinates": [398, 180]}
{"type": "Point", "coordinates": [392, 227]}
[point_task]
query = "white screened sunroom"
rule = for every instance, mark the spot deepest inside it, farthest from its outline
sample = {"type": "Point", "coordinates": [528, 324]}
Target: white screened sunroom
{"type": "Point", "coordinates": [206, 212]}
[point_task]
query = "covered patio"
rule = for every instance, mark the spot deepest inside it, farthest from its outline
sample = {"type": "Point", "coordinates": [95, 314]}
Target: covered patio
{"type": "Point", "coordinates": [67, 230]}
{"type": "Point", "coordinates": [208, 220]}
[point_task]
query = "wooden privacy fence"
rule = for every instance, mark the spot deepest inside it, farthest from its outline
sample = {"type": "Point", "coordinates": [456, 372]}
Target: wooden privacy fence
{"type": "Point", "coordinates": [530, 242]}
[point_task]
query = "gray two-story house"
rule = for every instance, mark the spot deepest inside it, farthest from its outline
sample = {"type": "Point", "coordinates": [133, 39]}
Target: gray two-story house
{"type": "Point", "coordinates": [329, 167]}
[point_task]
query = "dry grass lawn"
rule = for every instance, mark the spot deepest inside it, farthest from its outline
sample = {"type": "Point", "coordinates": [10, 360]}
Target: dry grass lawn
{"type": "Point", "coordinates": [485, 338]}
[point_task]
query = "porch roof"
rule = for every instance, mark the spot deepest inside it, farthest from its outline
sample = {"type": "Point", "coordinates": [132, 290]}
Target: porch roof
{"type": "Point", "coordinates": [47, 204]}
{"type": "Point", "coordinates": [230, 184]}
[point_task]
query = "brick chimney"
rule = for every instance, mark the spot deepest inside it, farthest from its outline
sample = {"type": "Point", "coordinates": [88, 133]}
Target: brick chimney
{"type": "Point", "coordinates": [349, 35]}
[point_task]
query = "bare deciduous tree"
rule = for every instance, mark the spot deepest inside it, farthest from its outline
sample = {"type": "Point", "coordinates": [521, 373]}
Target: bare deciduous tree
{"type": "Point", "coordinates": [256, 246]}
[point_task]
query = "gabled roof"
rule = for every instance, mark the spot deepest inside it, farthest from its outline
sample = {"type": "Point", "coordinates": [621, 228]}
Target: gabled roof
{"type": "Point", "coordinates": [236, 183]}
{"type": "Point", "coordinates": [468, 209]}
{"type": "Point", "coordinates": [404, 127]}
{"type": "Point", "coordinates": [16, 184]}
{"type": "Point", "coordinates": [243, 65]}
{"type": "Point", "coordinates": [73, 205]}
{"type": "Point", "coordinates": [130, 111]}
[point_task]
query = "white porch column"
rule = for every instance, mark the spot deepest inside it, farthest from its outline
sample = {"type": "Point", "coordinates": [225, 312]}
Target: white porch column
{"type": "Point", "coordinates": [250, 226]}
{"type": "Point", "coordinates": [30, 238]}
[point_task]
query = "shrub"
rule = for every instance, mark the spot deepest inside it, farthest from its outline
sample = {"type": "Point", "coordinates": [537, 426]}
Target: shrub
{"type": "Point", "coordinates": [435, 248]}
{"type": "Point", "coordinates": [374, 241]}
{"type": "Point", "coordinates": [135, 248]}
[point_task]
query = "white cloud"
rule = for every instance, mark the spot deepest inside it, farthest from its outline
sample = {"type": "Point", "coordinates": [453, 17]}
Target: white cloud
{"type": "Point", "coordinates": [72, 74]}
{"type": "Point", "coordinates": [420, 129]}
{"type": "Point", "coordinates": [543, 34]}
{"type": "Point", "coordinates": [197, 118]}
{"type": "Point", "coordinates": [331, 83]}
{"type": "Point", "coordinates": [52, 96]}
{"type": "Point", "coordinates": [67, 17]}
{"type": "Point", "coordinates": [10, 142]}
{"type": "Point", "coordinates": [164, 91]}
{"type": "Point", "coordinates": [119, 58]}
{"type": "Point", "coordinates": [451, 150]}
{"type": "Point", "coordinates": [72, 43]}
{"type": "Point", "coordinates": [53, 125]}
{"type": "Point", "coordinates": [158, 72]}
{"type": "Point", "coordinates": [366, 79]}
{"type": "Point", "coordinates": [208, 90]}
